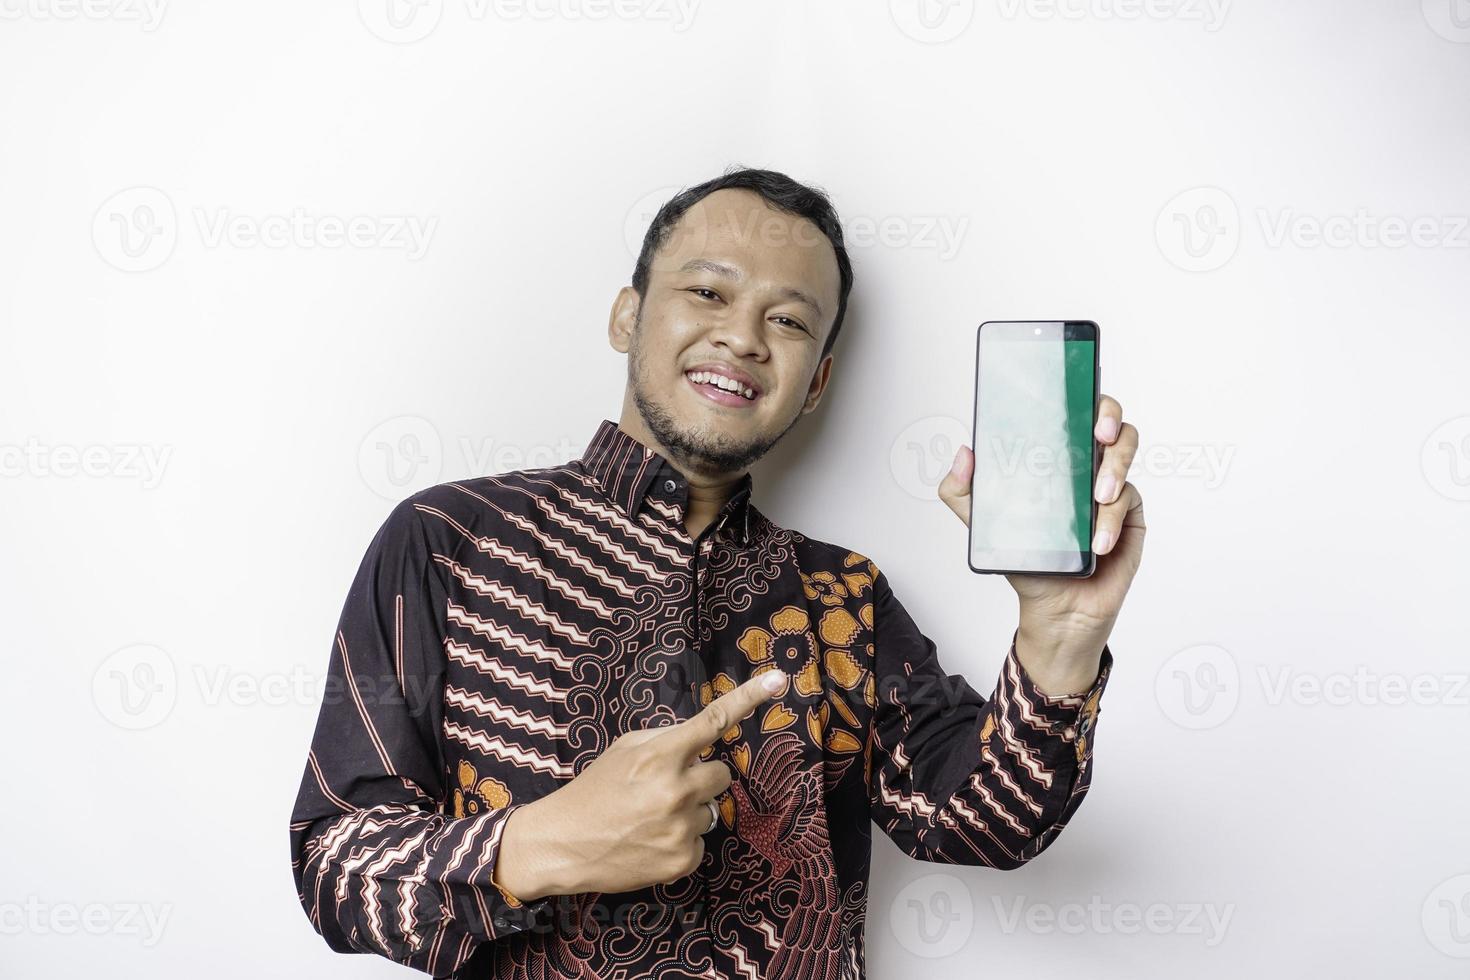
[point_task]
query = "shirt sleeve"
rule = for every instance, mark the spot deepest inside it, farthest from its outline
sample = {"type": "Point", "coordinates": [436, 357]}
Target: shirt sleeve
{"type": "Point", "coordinates": [958, 779]}
{"type": "Point", "coordinates": [381, 865]}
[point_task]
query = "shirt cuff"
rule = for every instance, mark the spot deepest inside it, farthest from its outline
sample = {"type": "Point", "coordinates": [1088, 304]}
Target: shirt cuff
{"type": "Point", "coordinates": [468, 858]}
{"type": "Point", "coordinates": [1036, 717]}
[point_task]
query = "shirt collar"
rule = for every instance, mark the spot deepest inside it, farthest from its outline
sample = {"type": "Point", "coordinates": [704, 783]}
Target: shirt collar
{"type": "Point", "coordinates": [626, 470]}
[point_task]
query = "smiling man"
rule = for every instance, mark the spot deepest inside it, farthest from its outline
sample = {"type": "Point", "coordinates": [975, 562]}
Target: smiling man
{"type": "Point", "coordinates": [607, 719]}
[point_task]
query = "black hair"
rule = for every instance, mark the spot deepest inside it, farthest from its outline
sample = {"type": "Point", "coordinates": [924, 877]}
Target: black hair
{"type": "Point", "coordinates": [781, 193]}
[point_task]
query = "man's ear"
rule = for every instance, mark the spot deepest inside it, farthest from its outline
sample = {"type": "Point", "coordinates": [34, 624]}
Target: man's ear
{"type": "Point", "coordinates": [820, 377]}
{"type": "Point", "coordinates": [621, 321]}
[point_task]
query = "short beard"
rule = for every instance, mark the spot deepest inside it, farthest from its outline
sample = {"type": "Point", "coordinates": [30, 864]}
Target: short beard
{"type": "Point", "coordinates": [694, 451]}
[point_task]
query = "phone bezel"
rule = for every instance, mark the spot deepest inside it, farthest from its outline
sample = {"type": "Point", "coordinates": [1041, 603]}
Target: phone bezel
{"type": "Point", "coordinates": [1089, 557]}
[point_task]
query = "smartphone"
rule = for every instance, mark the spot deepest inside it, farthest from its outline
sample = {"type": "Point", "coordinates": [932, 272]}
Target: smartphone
{"type": "Point", "coordinates": [1036, 397]}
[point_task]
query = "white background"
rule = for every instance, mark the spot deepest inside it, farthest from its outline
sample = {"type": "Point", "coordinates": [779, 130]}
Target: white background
{"type": "Point", "coordinates": [1160, 168]}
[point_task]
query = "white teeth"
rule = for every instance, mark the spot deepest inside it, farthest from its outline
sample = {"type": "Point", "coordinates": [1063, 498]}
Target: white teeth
{"type": "Point", "coordinates": [720, 381]}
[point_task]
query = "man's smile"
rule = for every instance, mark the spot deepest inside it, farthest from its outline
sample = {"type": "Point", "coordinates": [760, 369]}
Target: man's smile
{"type": "Point", "coordinates": [723, 385]}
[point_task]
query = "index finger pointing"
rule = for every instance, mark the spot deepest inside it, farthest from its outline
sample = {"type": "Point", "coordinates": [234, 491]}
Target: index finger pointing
{"type": "Point", "coordinates": [689, 737]}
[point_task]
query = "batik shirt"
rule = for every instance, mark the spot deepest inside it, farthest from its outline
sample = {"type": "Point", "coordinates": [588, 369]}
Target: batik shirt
{"type": "Point", "coordinates": [502, 631]}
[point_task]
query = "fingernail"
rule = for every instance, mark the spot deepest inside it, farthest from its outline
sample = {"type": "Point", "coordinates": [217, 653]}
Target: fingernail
{"type": "Point", "coordinates": [771, 680]}
{"type": "Point", "coordinates": [1102, 542]}
{"type": "Point", "coordinates": [1107, 485]}
{"type": "Point", "coordinates": [1107, 427]}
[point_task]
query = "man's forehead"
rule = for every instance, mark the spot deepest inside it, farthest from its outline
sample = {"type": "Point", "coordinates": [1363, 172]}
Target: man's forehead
{"type": "Point", "coordinates": [739, 230]}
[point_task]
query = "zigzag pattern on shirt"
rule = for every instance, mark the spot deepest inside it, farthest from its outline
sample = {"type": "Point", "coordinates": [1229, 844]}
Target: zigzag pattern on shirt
{"type": "Point", "coordinates": [474, 659]}
{"type": "Point", "coordinates": [744, 965]}
{"type": "Point", "coordinates": [519, 559]}
{"type": "Point", "coordinates": [905, 803]}
{"type": "Point", "coordinates": [614, 516]}
{"type": "Point", "coordinates": [1028, 712]}
{"type": "Point", "coordinates": [1027, 759]}
{"type": "Point", "coordinates": [505, 751]}
{"type": "Point", "coordinates": [511, 640]}
{"type": "Point", "coordinates": [374, 871]}
{"type": "Point", "coordinates": [964, 810]}
{"type": "Point", "coordinates": [514, 600]}
{"type": "Point", "coordinates": [995, 806]}
{"type": "Point", "coordinates": [373, 821]}
{"type": "Point", "coordinates": [669, 511]}
{"type": "Point", "coordinates": [662, 528]}
{"type": "Point", "coordinates": [1008, 781]}
{"type": "Point", "coordinates": [581, 561]}
{"type": "Point", "coordinates": [610, 547]}
{"type": "Point", "coordinates": [489, 707]}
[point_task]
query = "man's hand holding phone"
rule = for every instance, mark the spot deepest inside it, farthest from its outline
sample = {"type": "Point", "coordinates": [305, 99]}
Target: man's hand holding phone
{"type": "Point", "coordinates": [1065, 622]}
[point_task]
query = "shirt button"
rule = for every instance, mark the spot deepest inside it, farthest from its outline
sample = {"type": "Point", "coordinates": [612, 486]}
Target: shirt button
{"type": "Point", "coordinates": [670, 486]}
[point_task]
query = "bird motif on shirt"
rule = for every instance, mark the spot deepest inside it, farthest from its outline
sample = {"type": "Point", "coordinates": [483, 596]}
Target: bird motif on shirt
{"type": "Point", "coordinates": [780, 813]}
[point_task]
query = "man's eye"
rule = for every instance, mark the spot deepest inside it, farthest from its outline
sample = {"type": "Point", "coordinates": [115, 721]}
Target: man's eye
{"type": "Point", "coordinates": [791, 322]}
{"type": "Point", "coordinates": [705, 293]}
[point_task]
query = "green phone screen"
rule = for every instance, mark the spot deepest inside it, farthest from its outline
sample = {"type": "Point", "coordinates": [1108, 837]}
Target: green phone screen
{"type": "Point", "coordinates": [1032, 490]}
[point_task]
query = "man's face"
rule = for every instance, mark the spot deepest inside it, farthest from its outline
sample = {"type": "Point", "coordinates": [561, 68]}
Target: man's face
{"type": "Point", "coordinates": [742, 289]}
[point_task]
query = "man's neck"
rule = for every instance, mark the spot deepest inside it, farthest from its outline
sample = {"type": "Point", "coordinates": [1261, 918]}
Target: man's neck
{"type": "Point", "coordinates": [707, 492]}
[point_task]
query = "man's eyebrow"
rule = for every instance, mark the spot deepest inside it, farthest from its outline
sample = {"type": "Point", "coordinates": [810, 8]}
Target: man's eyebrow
{"type": "Point", "coordinates": [732, 273]}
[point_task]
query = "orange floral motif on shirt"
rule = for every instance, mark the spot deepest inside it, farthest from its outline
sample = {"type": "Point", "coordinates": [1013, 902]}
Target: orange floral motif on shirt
{"type": "Point", "coordinates": [788, 645]}
{"type": "Point", "coordinates": [708, 691]}
{"type": "Point", "coordinates": [838, 630]}
{"type": "Point", "coordinates": [474, 794]}
{"type": "Point", "coordinates": [825, 586]}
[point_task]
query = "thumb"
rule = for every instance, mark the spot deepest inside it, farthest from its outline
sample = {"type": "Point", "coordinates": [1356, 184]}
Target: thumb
{"type": "Point", "coordinates": [954, 489]}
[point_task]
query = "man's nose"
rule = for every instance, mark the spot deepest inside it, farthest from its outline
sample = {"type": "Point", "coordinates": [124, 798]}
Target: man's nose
{"type": "Point", "coordinates": [743, 330]}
